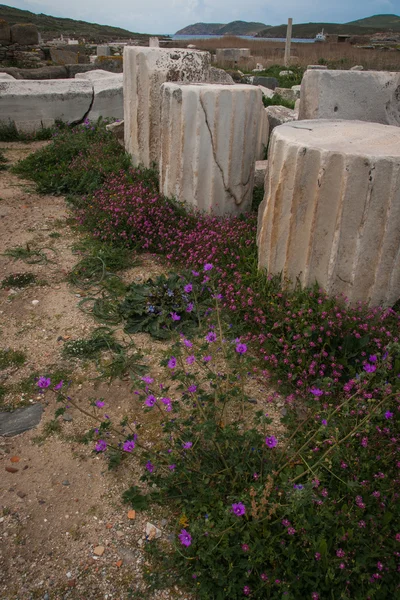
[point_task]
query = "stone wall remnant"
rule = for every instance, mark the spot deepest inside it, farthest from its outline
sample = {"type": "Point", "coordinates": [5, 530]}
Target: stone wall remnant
{"type": "Point", "coordinates": [331, 208]}
{"type": "Point", "coordinates": [5, 32]}
{"type": "Point", "coordinates": [354, 95]}
{"type": "Point", "coordinates": [208, 152]}
{"type": "Point", "coordinates": [145, 70]}
{"type": "Point", "coordinates": [25, 34]}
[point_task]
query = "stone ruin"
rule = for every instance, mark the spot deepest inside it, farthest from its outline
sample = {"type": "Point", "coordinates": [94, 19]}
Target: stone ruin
{"type": "Point", "coordinates": [331, 207]}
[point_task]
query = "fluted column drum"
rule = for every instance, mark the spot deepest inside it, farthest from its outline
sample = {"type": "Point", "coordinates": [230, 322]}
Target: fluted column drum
{"type": "Point", "coordinates": [210, 136]}
{"type": "Point", "coordinates": [331, 209]}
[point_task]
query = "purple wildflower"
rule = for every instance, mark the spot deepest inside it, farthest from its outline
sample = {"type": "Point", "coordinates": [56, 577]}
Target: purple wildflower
{"type": "Point", "coordinates": [167, 403]}
{"type": "Point", "coordinates": [191, 359]}
{"type": "Point", "coordinates": [241, 348]}
{"type": "Point", "coordinates": [100, 403]}
{"type": "Point", "coordinates": [207, 358]}
{"type": "Point", "coordinates": [172, 467]}
{"type": "Point", "coordinates": [187, 445]}
{"type": "Point", "coordinates": [188, 343]}
{"type": "Point", "coordinates": [59, 385]}
{"type": "Point", "coordinates": [195, 273]}
{"type": "Point", "coordinates": [101, 446]}
{"type": "Point", "coordinates": [208, 267]}
{"type": "Point", "coordinates": [291, 530]}
{"type": "Point", "coordinates": [190, 307]}
{"type": "Point", "coordinates": [211, 336]}
{"type": "Point", "coordinates": [172, 362]}
{"type": "Point", "coordinates": [246, 590]}
{"type": "Point", "coordinates": [44, 382]}
{"type": "Point", "coordinates": [174, 316]}
{"type": "Point", "coordinates": [147, 379]}
{"type": "Point", "coordinates": [185, 538]}
{"type": "Point", "coordinates": [316, 391]}
{"type": "Point", "coordinates": [373, 358]}
{"type": "Point", "coordinates": [188, 288]}
{"type": "Point", "coordinates": [150, 401]}
{"type": "Point", "coordinates": [192, 388]}
{"type": "Point", "coordinates": [388, 414]}
{"type": "Point", "coordinates": [238, 509]}
{"type": "Point", "coordinates": [149, 466]}
{"type": "Point", "coordinates": [369, 368]}
{"type": "Point", "coordinates": [245, 547]}
{"type": "Point", "coordinates": [317, 556]}
{"type": "Point", "coordinates": [271, 441]}
{"type": "Point", "coordinates": [129, 445]}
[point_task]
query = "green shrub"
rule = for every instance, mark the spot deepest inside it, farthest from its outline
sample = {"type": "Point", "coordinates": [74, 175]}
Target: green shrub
{"type": "Point", "coordinates": [18, 280]}
{"type": "Point", "coordinates": [10, 133]}
{"type": "Point", "coordinates": [76, 161]}
{"type": "Point", "coordinates": [277, 100]}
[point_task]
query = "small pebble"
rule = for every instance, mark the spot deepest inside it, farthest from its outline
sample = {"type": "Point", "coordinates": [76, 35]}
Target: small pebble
{"type": "Point", "coordinates": [66, 482]}
{"type": "Point", "coordinates": [35, 302]}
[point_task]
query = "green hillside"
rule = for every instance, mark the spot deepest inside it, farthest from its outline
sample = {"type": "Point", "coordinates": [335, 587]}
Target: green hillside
{"type": "Point", "coordinates": [367, 26]}
{"type": "Point", "coordinates": [51, 27]}
{"type": "Point", "coordinates": [233, 28]}
{"type": "Point", "coordinates": [383, 22]}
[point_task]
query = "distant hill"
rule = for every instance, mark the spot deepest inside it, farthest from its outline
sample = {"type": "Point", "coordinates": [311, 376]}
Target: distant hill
{"type": "Point", "coordinates": [367, 26]}
{"type": "Point", "coordinates": [51, 27]}
{"type": "Point", "coordinates": [382, 21]}
{"type": "Point", "coordinates": [234, 28]}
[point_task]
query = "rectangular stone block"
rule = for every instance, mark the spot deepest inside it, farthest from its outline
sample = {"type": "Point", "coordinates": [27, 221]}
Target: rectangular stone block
{"type": "Point", "coordinates": [32, 105]}
{"type": "Point", "coordinates": [209, 137]}
{"type": "Point", "coordinates": [353, 95]}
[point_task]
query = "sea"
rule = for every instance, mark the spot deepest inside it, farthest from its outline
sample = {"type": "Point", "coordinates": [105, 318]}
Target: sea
{"type": "Point", "coordinates": [245, 37]}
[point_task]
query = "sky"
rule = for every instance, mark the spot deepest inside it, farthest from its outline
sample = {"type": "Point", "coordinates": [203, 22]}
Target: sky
{"type": "Point", "coordinates": [168, 16]}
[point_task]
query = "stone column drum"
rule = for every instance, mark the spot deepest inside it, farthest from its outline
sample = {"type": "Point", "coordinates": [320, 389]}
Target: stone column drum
{"type": "Point", "coordinates": [209, 141]}
{"type": "Point", "coordinates": [145, 70]}
{"type": "Point", "coordinates": [331, 209]}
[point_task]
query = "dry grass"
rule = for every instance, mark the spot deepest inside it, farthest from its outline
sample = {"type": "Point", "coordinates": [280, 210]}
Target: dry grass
{"type": "Point", "coordinates": [336, 55]}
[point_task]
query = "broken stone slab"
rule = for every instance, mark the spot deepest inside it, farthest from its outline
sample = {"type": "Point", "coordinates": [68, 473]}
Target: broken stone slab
{"type": "Point", "coordinates": [287, 94]}
{"type": "Point", "coordinates": [266, 92]}
{"type": "Point", "coordinates": [6, 77]}
{"type": "Point", "coordinates": [103, 50]}
{"type": "Point", "coordinates": [208, 148]}
{"type": "Point", "coordinates": [315, 67]}
{"type": "Point", "coordinates": [331, 209]}
{"type": "Point", "coordinates": [145, 70]}
{"type": "Point", "coordinates": [108, 101]}
{"type": "Point", "coordinates": [357, 68]}
{"type": "Point", "coordinates": [353, 95]}
{"type": "Point", "coordinates": [220, 76]}
{"type": "Point", "coordinates": [267, 82]}
{"type": "Point", "coordinates": [154, 42]}
{"type": "Point", "coordinates": [32, 105]}
{"type": "Point", "coordinates": [278, 115]}
{"type": "Point", "coordinates": [259, 173]}
{"type": "Point", "coordinates": [20, 420]}
{"type": "Point", "coordinates": [97, 74]}
{"type": "Point", "coordinates": [117, 129]}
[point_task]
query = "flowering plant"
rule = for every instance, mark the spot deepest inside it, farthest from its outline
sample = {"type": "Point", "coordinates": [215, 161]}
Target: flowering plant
{"type": "Point", "coordinates": [269, 508]}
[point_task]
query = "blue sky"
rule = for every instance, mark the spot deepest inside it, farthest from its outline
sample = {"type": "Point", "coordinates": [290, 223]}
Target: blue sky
{"type": "Point", "coordinates": [167, 16]}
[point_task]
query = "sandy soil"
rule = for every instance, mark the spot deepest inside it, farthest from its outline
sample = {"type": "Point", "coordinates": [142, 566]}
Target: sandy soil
{"type": "Point", "coordinates": [62, 502]}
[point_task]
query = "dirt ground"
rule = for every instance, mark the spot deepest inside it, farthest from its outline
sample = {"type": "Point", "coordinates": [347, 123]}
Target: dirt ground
{"type": "Point", "coordinates": [61, 502]}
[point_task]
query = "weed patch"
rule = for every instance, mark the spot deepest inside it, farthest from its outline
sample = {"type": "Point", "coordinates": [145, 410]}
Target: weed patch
{"type": "Point", "coordinates": [11, 358]}
{"type": "Point", "coordinates": [18, 280]}
{"type": "Point", "coordinates": [277, 100]}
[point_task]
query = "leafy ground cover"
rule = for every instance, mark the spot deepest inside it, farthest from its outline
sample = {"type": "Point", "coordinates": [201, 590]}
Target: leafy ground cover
{"type": "Point", "coordinates": [312, 511]}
